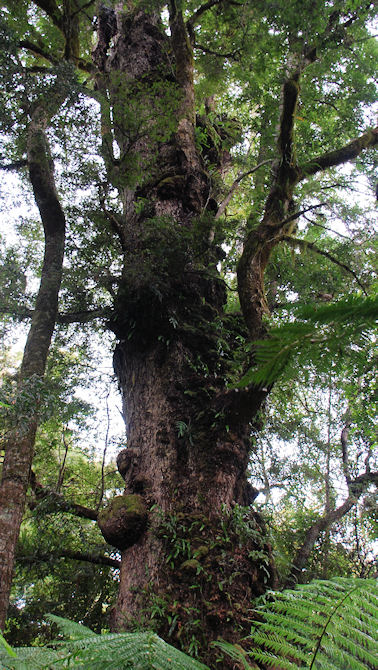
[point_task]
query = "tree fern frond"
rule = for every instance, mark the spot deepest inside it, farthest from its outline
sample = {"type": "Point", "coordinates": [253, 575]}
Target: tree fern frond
{"type": "Point", "coordinates": [330, 624]}
{"type": "Point", "coordinates": [299, 633]}
{"type": "Point", "coordinates": [70, 629]}
{"type": "Point", "coordinates": [7, 647]}
{"type": "Point", "coordinates": [31, 658]}
{"type": "Point", "coordinates": [316, 332]}
{"type": "Point", "coordinates": [235, 652]}
{"type": "Point", "coordinates": [353, 308]}
{"type": "Point", "coordinates": [88, 651]}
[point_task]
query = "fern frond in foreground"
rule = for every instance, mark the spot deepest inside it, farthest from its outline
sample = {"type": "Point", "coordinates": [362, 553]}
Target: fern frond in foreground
{"type": "Point", "coordinates": [325, 625]}
{"type": "Point", "coordinates": [85, 650]}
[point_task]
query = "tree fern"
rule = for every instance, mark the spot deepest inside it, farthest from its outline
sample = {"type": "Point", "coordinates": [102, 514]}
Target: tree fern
{"type": "Point", "coordinates": [329, 331]}
{"type": "Point", "coordinates": [85, 650]}
{"type": "Point", "coordinates": [325, 625]}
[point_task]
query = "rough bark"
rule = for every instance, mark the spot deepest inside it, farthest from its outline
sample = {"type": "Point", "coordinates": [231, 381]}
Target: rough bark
{"type": "Point", "coordinates": [179, 523]}
{"type": "Point", "coordinates": [188, 438]}
{"type": "Point", "coordinates": [19, 446]}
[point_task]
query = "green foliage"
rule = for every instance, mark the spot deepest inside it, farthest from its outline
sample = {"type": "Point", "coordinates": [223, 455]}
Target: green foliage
{"type": "Point", "coordinates": [335, 330]}
{"type": "Point", "coordinates": [241, 50]}
{"type": "Point", "coordinates": [85, 650]}
{"type": "Point", "coordinates": [325, 624]}
{"type": "Point", "coordinates": [7, 647]}
{"type": "Point", "coordinates": [330, 625]}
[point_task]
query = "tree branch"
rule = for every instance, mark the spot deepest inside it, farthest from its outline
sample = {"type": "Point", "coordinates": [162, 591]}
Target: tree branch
{"type": "Point", "coordinates": [340, 156]}
{"type": "Point", "coordinates": [51, 8]}
{"type": "Point", "coordinates": [286, 174]}
{"type": "Point", "coordinates": [38, 51]}
{"type": "Point", "coordinates": [207, 5]}
{"type": "Point", "coordinates": [303, 244]}
{"type": "Point", "coordinates": [85, 316]}
{"type": "Point", "coordinates": [16, 165]}
{"type": "Point", "coordinates": [357, 487]}
{"type": "Point", "coordinates": [81, 9]}
{"type": "Point", "coordinates": [234, 186]}
{"type": "Point", "coordinates": [97, 559]}
{"type": "Point", "coordinates": [206, 50]}
{"type": "Point", "coordinates": [261, 240]}
{"type": "Point", "coordinates": [296, 215]}
{"type": "Point", "coordinates": [70, 317]}
{"type": "Point", "coordinates": [58, 502]}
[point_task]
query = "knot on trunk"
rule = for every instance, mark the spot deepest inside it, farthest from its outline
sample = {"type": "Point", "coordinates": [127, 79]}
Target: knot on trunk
{"type": "Point", "coordinates": [125, 460]}
{"type": "Point", "coordinates": [123, 520]}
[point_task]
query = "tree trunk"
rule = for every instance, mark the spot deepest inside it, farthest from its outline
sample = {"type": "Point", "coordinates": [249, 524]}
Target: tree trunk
{"type": "Point", "coordinates": [198, 550]}
{"type": "Point", "coordinates": [19, 447]}
{"type": "Point", "coordinates": [193, 555]}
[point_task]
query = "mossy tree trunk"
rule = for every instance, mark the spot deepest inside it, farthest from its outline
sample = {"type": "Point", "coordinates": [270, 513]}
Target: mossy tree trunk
{"type": "Point", "coordinates": [192, 558]}
{"type": "Point", "coordinates": [188, 437]}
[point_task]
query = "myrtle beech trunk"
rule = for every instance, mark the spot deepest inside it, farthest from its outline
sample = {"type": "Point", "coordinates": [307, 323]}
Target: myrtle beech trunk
{"type": "Point", "coordinates": [194, 555]}
{"type": "Point", "coordinates": [19, 445]}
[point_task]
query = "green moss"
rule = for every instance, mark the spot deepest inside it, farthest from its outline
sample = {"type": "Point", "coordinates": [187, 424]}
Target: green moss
{"type": "Point", "coordinates": [132, 504]}
{"type": "Point", "coordinates": [123, 520]}
{"type": "Point", "coordinates": [202, 551]}
{"type": "Point", "coordinates": [191, 565]}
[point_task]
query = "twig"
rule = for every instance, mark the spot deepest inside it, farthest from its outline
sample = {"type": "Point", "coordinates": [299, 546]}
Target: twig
{"type": "Point", "coordinates": [63, 465]}
{"type": "Point", "coordinates": [104, 453]}
{"type": "Point", "coordinates": [206, 50]}
{"type": "Point", "coordinates": [16, 165]}
{"type": "Point", "coordinates": [319, 225]}
{"type": "Point", "coordinates": [344, 450]}
{"type": "Point", "coordinates": [303, 244]}
{"type": "Point", "coordinates": [235, 185]}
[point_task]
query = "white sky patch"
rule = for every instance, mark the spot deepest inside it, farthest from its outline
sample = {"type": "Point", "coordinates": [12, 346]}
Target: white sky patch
{"type": "Point", "coordinates": [16, 205]}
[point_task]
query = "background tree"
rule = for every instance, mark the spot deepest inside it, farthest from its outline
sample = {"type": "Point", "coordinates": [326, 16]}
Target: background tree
{"type": "Point", "coordinates": [19, 445]}
{"type": "Point", "coordinates": [170, 89]}
{"type": "Point", "coordinates": [62, 562]}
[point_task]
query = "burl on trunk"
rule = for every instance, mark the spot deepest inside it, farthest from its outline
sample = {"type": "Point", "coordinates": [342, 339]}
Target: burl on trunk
{"type": "Point", "coordinates": [194, 555]}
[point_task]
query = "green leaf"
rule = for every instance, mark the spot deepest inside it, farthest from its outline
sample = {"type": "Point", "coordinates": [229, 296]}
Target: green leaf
{"type": "Point", "coordinates": [88, 651]}
{"type": "Point", "coordinates": [316, 332]}
{"type": "Point", "coordinates": [328, 624]}
{"type": "Point", "coordinates": [8, 648]}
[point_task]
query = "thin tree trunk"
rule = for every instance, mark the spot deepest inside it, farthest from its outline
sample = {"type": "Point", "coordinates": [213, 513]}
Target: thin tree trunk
{"type": "Point", "coordinates": [329, 503]}
{"type": "Point", "coordinates": [303, 553]}
{"type": "Point", "coordinates": [356, 488]}
{"type": "Point", "coordinates": [87, 557]}
{"type": "Point", "coordinates": [19, 447]}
